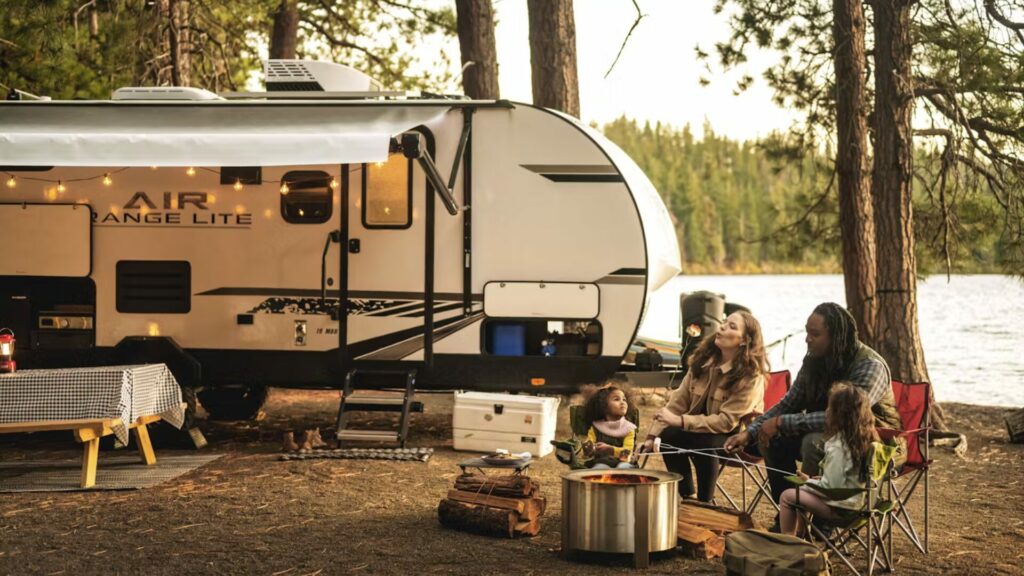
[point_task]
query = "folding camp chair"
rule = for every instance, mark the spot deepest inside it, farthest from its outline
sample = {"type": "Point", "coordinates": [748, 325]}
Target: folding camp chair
{"type": "Point", "coordinates": [570, 451]}
{"type": "Point", "coordinates": [870, 527]}
{"type": "Point", "coordinates": [912, 405]}
{"type": "Point", "coordinates": [751, 464]}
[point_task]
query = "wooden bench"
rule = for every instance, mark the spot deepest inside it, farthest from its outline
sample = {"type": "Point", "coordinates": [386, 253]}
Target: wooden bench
{"type": "Point", "coordinates": [89, 431]}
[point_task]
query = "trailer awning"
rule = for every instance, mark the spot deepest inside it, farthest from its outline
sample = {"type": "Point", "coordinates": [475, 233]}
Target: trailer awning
{"type": "Point", "coordinates": [207, 134]}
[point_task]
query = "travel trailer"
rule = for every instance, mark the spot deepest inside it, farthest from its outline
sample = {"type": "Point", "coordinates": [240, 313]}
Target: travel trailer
{"type": "Point", "coordinates": [288, 237]}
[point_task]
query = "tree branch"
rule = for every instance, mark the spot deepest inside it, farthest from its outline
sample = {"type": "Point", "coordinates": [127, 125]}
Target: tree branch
{"type": "Point", "coordinates": [639, 17]}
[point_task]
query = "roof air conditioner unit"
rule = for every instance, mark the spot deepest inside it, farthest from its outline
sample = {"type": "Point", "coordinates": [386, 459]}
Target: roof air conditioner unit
{"type": "Point", "coordinates": [315, 76]}
{"type": "Point", "coordinates": [164, 93]}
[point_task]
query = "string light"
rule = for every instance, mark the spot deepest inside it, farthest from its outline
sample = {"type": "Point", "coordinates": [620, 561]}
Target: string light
{"type": "Point", "coordinates": [238, 185]}
{"type": "Point", "coordinates": [12, 182]}
{"type": "Point", "coordinates": [284, 188]}
{"type": "Point", "coordinates": [61, 188]}
{"type": "Point", "coordinates": [106, 180]}
{"type": "Point", "coordinates": [334, 183]}
{"type": "Point", "coordinates": [191, 171]}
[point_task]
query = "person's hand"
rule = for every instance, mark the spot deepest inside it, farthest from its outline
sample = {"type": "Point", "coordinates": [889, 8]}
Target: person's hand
{"type": "Point", "coordinates": [666, 417]}
{"type": "Point", "coordinates": [601, 448]}
{"type": "Point", "coordinates": [769, 429]}
{"type": "Point", "coordinates": [802, 476]}
{"type": "Point", "coordinates": [647, 447]}
{"type": "Point", "coordinates": [737, 442]}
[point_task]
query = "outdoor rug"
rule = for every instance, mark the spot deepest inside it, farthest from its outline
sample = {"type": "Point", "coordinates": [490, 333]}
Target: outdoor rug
{"type": "Point", "coordinates": [112, 473]}
{"type": "Point", "coordinates": [413, 454]}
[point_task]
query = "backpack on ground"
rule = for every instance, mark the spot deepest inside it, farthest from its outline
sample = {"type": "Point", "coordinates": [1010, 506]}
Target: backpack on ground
{"type": "Point", "coordinates": [757, 553]}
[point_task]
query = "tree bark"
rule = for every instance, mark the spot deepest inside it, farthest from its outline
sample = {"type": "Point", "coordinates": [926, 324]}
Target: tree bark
{"type": "Point", "coordinates": [179, 36]}
{"type": "Point", "coordinates": [553, 55]}
{"type": "Point", "coordinates": [284, 38]}
{"type": "Point", "coordinates": [476, 42]}
{"type": "Point", "coordinates": [856, 216]}
{"type": "Point", "coordinates": [897, 334]}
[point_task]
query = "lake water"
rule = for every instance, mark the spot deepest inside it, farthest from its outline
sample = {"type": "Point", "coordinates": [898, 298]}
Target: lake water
{"type": "Point", "coordinates": [970, 326]}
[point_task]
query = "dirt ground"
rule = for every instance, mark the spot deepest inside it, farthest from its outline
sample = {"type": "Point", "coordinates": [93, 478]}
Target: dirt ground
{"type": "Point", "coordinates": [249, 513]}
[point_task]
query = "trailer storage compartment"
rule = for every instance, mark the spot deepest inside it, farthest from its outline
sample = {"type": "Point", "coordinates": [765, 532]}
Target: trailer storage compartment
{"type": "Point", "coordinates": [46, 240]}
{"type": "Point", "coordinates": [484, 422]}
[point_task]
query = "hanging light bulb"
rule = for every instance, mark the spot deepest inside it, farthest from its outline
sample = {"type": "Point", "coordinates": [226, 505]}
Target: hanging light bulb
{"type": "Point", "coordinates": [238, 185]}
{"type": "Point", "coordinates": [11, 182]}
{"type": "Point", "coordinates": [191, 171]}
{"type": "Point", "coordinates": [334, 183]}
{"type": "Point", "coordinates": [60, 187]}
{"type": "Point", "coordinates": [106, 180]}
{"type": "Point", "coordinates": [284, 188]}
{"type": "Point", "coordinates": [378, 164]}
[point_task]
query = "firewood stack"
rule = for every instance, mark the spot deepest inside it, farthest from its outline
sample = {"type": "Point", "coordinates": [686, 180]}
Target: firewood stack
{"type": "Point", "coordinates": [506, 506]}
{"type": "Point", "coordinates": [702, 528]}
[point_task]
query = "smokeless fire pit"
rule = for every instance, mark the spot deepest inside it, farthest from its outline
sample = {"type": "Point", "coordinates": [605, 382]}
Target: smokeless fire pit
{"type": "Point", "coordinates": [621, 511]}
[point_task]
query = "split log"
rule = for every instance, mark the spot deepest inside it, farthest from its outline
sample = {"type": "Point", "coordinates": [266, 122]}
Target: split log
{"type": "Point", "coordinates": [478, 519]}
{"type": "Point", "coordinates": [513, 485]}
{"type": "Point", "coordinates": [1015, 426]}
{"type": "Point", "coordinates": [526, 508]}
{"type": "Point", "coordinates": [700, 543]}
{"type": "Point", "coordinates": [528, 527]}
{"type": "Point", "coordinates": [715, 518]}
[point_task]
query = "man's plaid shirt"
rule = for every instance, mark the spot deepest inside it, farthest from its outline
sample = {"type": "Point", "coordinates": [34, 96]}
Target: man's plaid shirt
{"type": "Point", "coordinates": [868, 374]}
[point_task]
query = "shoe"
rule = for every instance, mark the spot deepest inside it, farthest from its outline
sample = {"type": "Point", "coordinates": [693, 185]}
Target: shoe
{"type": "Point", "coordinates": [775, 528]}
{"type": "Point", "coordinates": [315, 440]}
{"type": "Point", "coordinates": [289, 442]}
{"type": "Point", "coordinates": [307, 441]}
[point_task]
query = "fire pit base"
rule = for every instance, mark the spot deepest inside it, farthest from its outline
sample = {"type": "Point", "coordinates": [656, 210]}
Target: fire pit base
{"type": "Point", "coordinates": [619, 511]}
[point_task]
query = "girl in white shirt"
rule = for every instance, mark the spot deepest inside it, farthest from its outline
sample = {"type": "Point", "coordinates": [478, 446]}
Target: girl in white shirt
{"type": "Point", "coordinates": [849, 432]}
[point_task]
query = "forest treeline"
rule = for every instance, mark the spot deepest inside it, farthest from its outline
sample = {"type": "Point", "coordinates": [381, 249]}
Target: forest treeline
{"type": "Point", "coordinates": [746, 207]}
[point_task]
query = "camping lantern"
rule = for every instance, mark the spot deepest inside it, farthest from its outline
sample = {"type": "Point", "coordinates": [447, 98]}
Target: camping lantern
{"type": "Point", "coordinates": [6, 350]}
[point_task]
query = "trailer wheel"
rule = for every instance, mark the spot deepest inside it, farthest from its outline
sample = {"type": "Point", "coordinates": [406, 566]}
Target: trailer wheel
{"type": "Point", "coordinates": [233, 402]}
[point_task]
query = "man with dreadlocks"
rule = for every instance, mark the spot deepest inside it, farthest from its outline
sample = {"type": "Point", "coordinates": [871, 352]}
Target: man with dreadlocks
{"type": "Point", "coordinates": [792, 429]}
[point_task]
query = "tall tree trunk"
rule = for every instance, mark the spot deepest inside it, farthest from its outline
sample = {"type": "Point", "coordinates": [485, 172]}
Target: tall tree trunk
{"type": "Point", "coordinates": [856, 216]}
{"type": "Point", "coordinates": [284, 38]}
{"type": "Point", "coordinates": [179, 36]}
{"type": "Point", "coordinates": [476, 42]}
{"type": "Point", "coordinates": [553, 55]}
{"type": "Point", "coordinates": [897, 334]}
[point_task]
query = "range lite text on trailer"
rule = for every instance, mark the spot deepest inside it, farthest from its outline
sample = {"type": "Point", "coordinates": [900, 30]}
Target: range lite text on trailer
{"type": "Point", "coordinates": [287, 237]}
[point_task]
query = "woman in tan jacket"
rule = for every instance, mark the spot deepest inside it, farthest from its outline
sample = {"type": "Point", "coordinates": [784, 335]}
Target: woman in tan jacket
{"type": "Point", "coordinates": [725, 383]}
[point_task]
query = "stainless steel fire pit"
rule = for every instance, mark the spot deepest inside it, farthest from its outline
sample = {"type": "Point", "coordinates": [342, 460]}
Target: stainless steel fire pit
{"type": "Point", "coordinates": [624, 511]}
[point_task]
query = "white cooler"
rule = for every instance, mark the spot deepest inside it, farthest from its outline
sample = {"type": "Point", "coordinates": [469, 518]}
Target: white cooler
{"type": "Point", "coordinates": [484, 422]}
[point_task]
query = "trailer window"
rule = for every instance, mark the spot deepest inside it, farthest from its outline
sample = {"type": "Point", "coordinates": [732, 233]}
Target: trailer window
{"type": "Point", "coordinates": [387, 193]}
{"type": "Point", "coordinates": [307, 198]}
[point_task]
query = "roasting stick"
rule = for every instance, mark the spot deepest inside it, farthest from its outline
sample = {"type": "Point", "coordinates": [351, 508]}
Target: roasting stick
{"type": "Point", "coordinates": [703, 452]}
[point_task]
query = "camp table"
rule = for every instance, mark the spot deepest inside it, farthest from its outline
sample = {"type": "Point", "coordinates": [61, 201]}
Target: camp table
{"type": "Point", "coordinates": [92, 402]}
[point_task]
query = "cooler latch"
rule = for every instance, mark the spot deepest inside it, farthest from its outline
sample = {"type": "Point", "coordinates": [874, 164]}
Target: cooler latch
{"type": "Point", "coordinates": [499, 408]}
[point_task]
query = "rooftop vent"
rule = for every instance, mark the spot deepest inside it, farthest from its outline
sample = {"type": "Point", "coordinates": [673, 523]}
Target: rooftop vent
{"type": "Point", "coordinates": [314, 76]}
{"type": "Point", "coordinates": [164, 93]}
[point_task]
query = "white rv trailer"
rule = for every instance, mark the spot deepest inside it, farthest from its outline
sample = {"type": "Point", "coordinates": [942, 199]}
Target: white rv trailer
{"type": "Point", "coordinates": [285, 238]}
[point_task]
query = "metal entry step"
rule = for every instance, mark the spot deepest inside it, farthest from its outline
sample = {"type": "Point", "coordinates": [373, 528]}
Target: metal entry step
{"type": "Point", "coordinates": [377, 402]}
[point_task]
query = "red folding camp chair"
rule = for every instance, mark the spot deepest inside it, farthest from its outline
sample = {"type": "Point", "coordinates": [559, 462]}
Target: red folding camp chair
{"type": "Point", "coordinates": [912, 405]}
{"type": "Point", "coordinates": [777, 386]}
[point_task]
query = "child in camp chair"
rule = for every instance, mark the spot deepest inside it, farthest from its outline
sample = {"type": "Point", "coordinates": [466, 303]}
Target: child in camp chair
{"type": "Point", "coordinates": [849, 432]}
{"type": "Point", "coordinates": [610, 438]}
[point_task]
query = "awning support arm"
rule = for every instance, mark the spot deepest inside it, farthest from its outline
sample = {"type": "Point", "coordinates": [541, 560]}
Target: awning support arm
{"type": "Point", "coordinates": [413, 148]}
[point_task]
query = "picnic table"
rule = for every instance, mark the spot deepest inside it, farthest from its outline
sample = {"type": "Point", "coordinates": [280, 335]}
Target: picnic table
{"type": "Point", "coordinates": [92, 402]}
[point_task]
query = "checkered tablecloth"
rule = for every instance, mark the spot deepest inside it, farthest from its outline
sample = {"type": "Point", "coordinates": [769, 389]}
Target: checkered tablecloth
{"type": "Point", "coordinates": [125, 392]}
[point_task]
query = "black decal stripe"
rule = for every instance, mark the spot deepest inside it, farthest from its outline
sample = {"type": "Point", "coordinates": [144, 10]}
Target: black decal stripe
{"type": "Point", "coordinates": [357, 349]}
{"type": "Point", "coordinates": [399, 309]}
{"type": "Point", "coordinates": [437, 310]}
{"type": "Point", "coordinates": [570, 168]}
{"type": "Point", "coordinates": [584, 178]}
{"type": "Point", "coordinates": [629, 272]}
{"type": "Point", "coordinates": [314, 293]}
{"type": "Point", "coordinates": [412, 345]}
{"type": "Point", "coordinates": [622, 280]}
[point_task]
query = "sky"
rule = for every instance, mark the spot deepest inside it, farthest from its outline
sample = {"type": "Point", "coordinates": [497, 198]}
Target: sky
{"type": "Point", "coordinates": [657, 76]}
